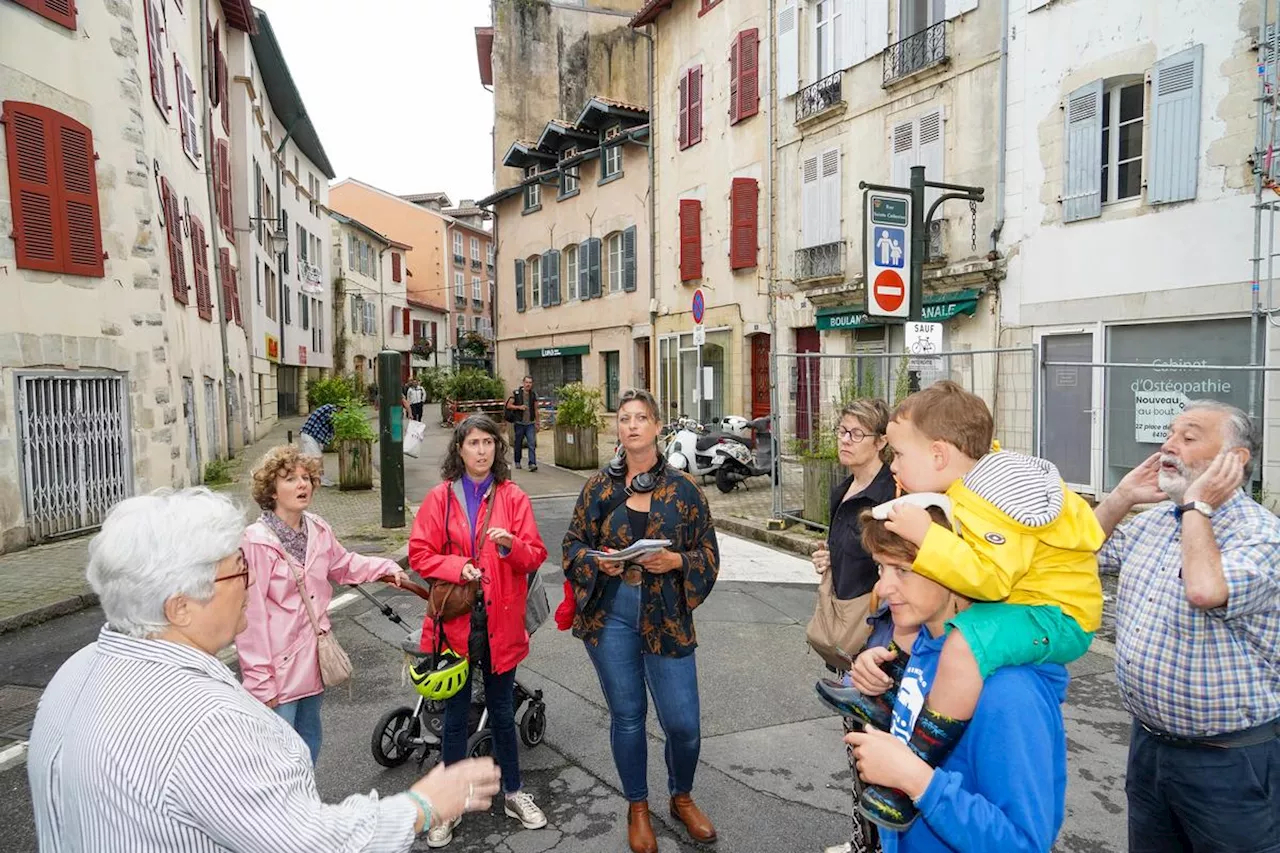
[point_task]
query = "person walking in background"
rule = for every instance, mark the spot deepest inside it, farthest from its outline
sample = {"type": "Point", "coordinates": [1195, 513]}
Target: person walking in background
{"type": "Point", "coordinates": [316, 434]}
{"type": "Point", "coordinates": [522, 412]}
{"type": "Point", "coordinates": [294, 559]}
{"type": "Point", "coordinates": [417, 397]}
{"type": "Point", "coordinates": [478, 526]}
{"type": "Point", "coordinates": [145, 742]}
{"type": "Point", "coordinates": [636, 618]}
{"type": "Point", "coordinates": [1197, 634]}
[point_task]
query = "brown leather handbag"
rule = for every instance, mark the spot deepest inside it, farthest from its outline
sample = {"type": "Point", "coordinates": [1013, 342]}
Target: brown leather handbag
{"type": "Point", "coordinates": [450, 600]}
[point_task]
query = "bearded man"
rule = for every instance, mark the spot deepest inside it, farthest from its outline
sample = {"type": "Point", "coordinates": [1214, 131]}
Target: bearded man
{"type": "Point", "coordinates": [1198, 639]}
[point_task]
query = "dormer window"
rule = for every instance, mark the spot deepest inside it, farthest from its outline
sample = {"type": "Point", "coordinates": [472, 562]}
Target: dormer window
{"type": "Point", "coordinates": [532, 192]}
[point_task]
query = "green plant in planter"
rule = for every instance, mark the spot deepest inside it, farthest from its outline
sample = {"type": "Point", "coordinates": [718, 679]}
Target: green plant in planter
{"type": "Point", "coordinates": [352, 424]}
{"type": "Point", "coordinates": [433, 382]}
{"type": "Point", "coordinates": [472, 384]}
{"type": "Point", "coordinates": [580, 406]}
{"type": "Point", "coordinates": [335, 389]}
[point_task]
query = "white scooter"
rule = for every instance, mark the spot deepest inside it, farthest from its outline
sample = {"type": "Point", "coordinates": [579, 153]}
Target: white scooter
{"type": "Point", "coordinates": [725, 455]}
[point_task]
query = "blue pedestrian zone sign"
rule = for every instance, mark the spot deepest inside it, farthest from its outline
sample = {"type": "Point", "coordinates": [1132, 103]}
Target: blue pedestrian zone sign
{"type": "Point", "coordinates": [889, 248]}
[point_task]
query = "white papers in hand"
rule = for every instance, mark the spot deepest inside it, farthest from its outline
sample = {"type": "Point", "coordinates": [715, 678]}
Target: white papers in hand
{"type": "Point", "coordinates": [632, 552]}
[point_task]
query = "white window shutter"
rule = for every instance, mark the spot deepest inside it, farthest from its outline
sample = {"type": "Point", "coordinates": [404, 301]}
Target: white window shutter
{"type": "Point", "coordinates": [1175, 127]}
{"type": "Point", "coordinates": [1082, 166]}
{"type": "Point", "coordinates": [789, 48]}
{"type": "Point", "coordinates": [810, 209]}
{"type": "Point", "coordinates": [839, 34]}
{"type": "Point", "coordinates": [955, 8]}
{"type": "Point", "coordinates": [902, 147]}
{"type": "Point", "coordinates": [877, 26]}
{"type": "Point", "coordinates": [853, 36]}
{"type": "Point", "coordinates": [830, 194]}
{"type": "Point", "coordinates": [931, 152]}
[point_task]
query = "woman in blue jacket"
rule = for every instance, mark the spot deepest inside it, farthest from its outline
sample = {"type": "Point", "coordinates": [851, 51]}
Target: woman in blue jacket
{"type": "Point", "coordinates": [1004, 786]}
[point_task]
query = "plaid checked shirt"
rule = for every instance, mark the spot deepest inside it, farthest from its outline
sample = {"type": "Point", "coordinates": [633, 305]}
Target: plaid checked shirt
{"type": "Point", "coordinates": [319, 424]}
{"type": "Point", "coordinates": [1189, 672]}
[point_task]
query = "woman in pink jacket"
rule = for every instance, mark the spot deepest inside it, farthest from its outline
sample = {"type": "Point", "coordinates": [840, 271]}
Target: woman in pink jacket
{"type": "Point", "coordinates": [287, 549]}
{"type": "Point", "coordinates": [478, 525]}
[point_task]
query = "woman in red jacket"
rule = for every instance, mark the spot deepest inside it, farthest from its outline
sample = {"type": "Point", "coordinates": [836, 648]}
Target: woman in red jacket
{"type": "Point", "coordinates": [478, 525]}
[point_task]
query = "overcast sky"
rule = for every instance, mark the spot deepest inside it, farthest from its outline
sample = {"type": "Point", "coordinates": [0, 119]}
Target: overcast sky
{"type": "Point", "coordinates": [393, 89]}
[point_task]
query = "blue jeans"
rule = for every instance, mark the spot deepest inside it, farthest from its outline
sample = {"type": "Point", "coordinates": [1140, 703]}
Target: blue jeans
{"type": "Point", "coordinates": [1200, 799]}
{"type": "Point", "coordinates": [526, 433]}
{"type": "Point", "coordinates": [304, 716]}
{"type": "Point", "coordinates": [624, 670]}
{"type": "Point", "coordinates": [500, 699]}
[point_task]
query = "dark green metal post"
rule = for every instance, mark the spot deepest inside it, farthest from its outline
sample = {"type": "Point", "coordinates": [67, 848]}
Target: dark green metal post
{"type": "Point", "coordinates": [919, 240]}
{"type": "Point", "coordinates": [391, 438]}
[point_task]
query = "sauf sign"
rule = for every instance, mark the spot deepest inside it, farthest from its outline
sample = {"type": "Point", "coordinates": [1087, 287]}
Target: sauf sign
{"type": "Point", "coordinates": [886, 250]}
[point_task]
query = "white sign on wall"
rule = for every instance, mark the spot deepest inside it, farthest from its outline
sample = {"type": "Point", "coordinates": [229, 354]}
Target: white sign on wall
{"type": "Point", "coordinates": [922, 341]}
{"type": "Point", "coordinates": [1153, 411]}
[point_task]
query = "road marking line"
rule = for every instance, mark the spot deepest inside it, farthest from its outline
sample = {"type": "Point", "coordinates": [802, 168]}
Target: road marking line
{"type": "Point", "coordinates": [13, 756]}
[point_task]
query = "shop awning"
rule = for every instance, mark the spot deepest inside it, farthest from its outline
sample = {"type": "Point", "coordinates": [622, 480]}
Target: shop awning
{"type": "Point", "coordinates": [553, 352]}
{"type": "Point", "coordinates": [937, 308]}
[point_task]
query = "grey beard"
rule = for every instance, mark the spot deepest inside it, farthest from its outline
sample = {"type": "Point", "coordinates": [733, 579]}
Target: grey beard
{"type": "Point", "coordinates": [1175, 486]}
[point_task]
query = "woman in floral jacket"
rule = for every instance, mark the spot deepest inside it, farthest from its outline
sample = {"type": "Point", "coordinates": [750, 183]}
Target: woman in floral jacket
{"type": "Point", "coordinates": [636, 619]}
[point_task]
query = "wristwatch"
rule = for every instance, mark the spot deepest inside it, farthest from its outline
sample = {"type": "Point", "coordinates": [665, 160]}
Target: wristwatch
{"type": "Point", "coordinates": [1201, 507]}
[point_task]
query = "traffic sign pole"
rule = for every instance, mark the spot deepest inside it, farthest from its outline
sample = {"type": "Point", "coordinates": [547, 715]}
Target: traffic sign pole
{"type": "Point", "coordinates": [699, 313]}
{"type": "Point", "coordinates": [919, 241]}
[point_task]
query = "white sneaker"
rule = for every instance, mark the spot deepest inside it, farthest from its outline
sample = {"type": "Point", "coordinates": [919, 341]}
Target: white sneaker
{"type": "Point", "coordinates": [847, 847]}
{"type": "Point", "coordinates": [441, 835]}
{"type": "Point", "coordinates": [521, 806]}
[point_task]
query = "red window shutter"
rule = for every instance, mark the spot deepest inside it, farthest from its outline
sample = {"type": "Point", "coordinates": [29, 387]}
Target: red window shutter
{"type": "Point", "coordinates": [223, 181]}
{"type": "Point", "coordinates": [38, 231]}
{"type": "Point", "coordinates": [744, 197]}
{"type": "Point", "coordinates": [59, 11]}
{"type": "Point", "coordinates": [695, 105]}
{"type": "Point", "coordinates": [234, 275]}
{"type": "Point", "coordinates": [733, 81]}
{"type": "Point", "coordinates": [407, 318]}
{"type": "Point", "coordinates": [395, 266]}
{"type": "Point", "coordinates": [220, 76]}
{"type": "Point", "coordinates": [155, 57]}
{"type": "Point", "coordinates": [690, 239]}
{"type": "Point", "coordinates": [200, 260]}
{"type": "Point", "coordinates": [748, 101]}
{"type": "Point", "coordinates": [78, 199]}
{"type": "Point", "coordinates": [684, 112]}
{"type": "Point", "coordinates": [211, 77]}
{"type": "Point", "coordinates": [173, 233]}
{"type": "Point", "coordinates": [227, 284]}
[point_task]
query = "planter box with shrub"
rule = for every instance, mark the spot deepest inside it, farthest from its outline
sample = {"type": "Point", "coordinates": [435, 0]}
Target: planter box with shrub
{"type": "Point", "coordinates": [579, 419]}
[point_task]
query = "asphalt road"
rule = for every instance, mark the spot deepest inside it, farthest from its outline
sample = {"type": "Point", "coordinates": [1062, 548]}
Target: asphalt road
{"type": "Point", "coordinates": [773, 774]}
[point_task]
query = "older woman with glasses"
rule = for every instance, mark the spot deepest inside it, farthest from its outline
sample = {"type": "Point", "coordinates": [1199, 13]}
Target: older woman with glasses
{"type": "Point", "coordinates": [294, 557]}
{"type": "Point", "coordinates": [636, 618]}
{"type": "Point", "coordinates": [145, 742]}
{"type": "Point", "coordinates": [849, 573]}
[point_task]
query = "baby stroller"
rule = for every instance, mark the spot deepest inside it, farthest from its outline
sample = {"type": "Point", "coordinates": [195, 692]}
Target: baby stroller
{"type": "Point", "coordinates": [404, 732]}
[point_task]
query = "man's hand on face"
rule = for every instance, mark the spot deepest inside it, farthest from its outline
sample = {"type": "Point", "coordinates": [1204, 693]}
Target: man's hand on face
{"type": "Point", "coordinates": [1142, 484]}
{"type": "Point", "coordinates": [1220, 480]}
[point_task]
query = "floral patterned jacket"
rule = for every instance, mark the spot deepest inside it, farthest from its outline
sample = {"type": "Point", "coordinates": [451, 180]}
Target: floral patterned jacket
{"type": "Point", "coordinates": [678, 512]}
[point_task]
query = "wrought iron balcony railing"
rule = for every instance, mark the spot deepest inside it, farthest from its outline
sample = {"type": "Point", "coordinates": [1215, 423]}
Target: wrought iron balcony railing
{"type": "Point", "coordinates": [475, 263]}
{"type": "Point", "coordinates": [916, 52]}
{"type": "Point", "coordinates": [824, 261]}
{"type": "Point", "coordinates": [459, 260]}
{"type": "Point", "coordinates": [819, 97]}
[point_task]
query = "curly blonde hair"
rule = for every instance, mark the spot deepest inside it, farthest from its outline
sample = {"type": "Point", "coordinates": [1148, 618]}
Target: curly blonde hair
{"type": "Point", "coordinates": [277, 461]}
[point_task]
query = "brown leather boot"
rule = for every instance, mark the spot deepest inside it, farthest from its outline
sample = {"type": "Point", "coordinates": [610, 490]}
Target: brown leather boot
{"type": "Point", "coordinates": [699, 827]}
{"type": "Point", "coordinates": [640, 830]}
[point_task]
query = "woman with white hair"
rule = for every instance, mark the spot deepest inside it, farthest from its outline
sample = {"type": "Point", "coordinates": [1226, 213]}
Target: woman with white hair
{"type": "Point", "coordinates": [144, 741]}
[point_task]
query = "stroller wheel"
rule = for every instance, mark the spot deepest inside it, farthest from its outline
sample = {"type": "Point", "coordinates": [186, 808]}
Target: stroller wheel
{"type": "Point", "coordinates": [393, 737]}
{"type": "Point", "coordinates": [533, 724]}
{"type": "Point", "coordinates": [480, 744]}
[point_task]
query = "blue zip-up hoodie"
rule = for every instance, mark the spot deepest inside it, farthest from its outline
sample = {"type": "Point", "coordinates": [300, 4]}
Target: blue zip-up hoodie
{"type": "Point", "coordinates": [1004, 787]}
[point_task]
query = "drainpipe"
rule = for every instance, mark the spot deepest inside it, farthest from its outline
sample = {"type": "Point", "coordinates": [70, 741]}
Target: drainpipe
{"type": "Point", "coordinates": [228, 375]}
{"type": "Point", "coordinates": [650, 35]}
{"type": "Point", "coordinates": [774, 402]}
{"type": "Point", "coordinates": [1002, 144]}
{"type": "Point", "coordinates": [278, 161]}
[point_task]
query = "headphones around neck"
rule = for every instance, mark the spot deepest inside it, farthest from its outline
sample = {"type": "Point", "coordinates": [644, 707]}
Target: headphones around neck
{"type": "Point", "coordinates": [641, 483]}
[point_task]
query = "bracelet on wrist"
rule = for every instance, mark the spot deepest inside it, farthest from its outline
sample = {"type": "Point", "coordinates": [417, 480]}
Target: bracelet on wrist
{"type": "Point", "coordinates": [424, 806]}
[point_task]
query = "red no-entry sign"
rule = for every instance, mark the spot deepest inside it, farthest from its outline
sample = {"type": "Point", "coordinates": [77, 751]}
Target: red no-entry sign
{"type": "Point", "coordinates": [889, 291]}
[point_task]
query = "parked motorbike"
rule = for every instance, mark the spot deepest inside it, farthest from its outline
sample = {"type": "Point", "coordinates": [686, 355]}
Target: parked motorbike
{"type": "Point", "coordinates": [727, 453]}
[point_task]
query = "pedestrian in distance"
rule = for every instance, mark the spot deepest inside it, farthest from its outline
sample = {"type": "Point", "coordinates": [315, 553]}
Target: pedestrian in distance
{"type": "Point", "coordinates": [845, 599]}
{"type": "Point", "coordinates": [145, 742]}
{"type": "Point", "coordinates": [294, 559]}
{"type": "Point", "coordinates": [522, 414]}
{"type": "Point", "coordinates": [1198, 639]}
{"type": "Point", "coordinates": [475, 538]}
{"type": "Point", "coordinates": [316, 434]}
{"type": "Point", "coordinates": [1003, 786]}
{"type": "Point", "coordinates": [417, 397]}
{"type": "Point", "coordinates": [636, 618]}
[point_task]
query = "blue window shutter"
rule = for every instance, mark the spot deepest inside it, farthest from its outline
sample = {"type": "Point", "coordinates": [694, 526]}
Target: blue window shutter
{"type": "Point", "coordinates": [584, 269]}
{"type": "Point", "coordinates": [545, 273]}
{"type": "Point", "coordinates": [1175, 127]}
{"type": "Point", "coordinates": [595, 267]}
{"type": "Point", "coordinates": [629, 259]}
{"type": "Point", "coordinates": [520, 284]}
{"type": "Point", "coordinates": [1082, 168]}
{"type": "Point", "coordinates": [553, 262]}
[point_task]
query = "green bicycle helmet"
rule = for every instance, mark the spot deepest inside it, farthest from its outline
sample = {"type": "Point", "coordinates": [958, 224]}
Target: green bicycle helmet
{"type": "Point", "coordinates": [439, 676]}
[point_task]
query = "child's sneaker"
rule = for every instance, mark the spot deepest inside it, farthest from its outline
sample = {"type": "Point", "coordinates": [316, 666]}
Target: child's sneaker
{"type": "Point", "coordinates": [521, 806]}
{"type": "Point", "coordinates": [848, 701]}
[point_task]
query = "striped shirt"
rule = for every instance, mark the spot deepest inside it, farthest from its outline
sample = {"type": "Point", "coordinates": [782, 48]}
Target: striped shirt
{"type": "Point", "coordinates": [147, 745]}
{"type": "Point", "coordinates": [1197, 673]}
{"type": "Point", "coordinates": [319, 424]}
